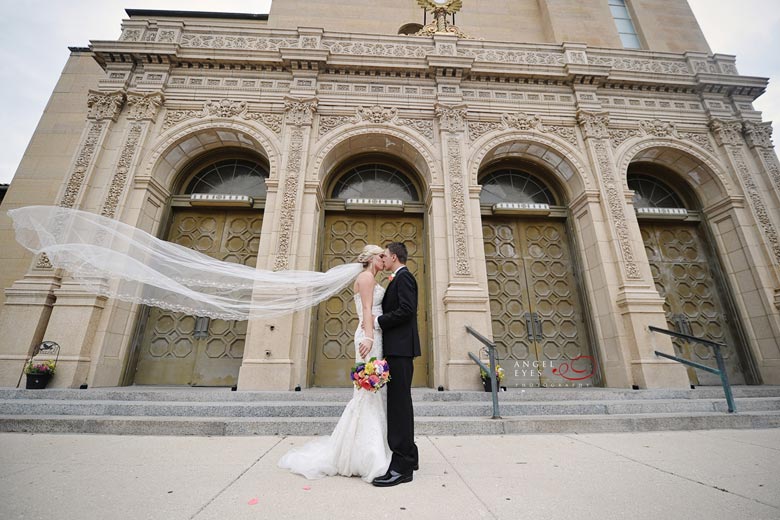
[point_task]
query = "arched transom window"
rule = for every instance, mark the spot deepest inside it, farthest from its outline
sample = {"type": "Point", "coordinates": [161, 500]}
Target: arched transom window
{"type": "Point", "coordinates": [513, 185]}
{"type": "Point", "coordinates": [375, 181]}
{"type": "Point", "coordinates": [230, 177]}
{"type": "Point", "coordinates": [650, 192]}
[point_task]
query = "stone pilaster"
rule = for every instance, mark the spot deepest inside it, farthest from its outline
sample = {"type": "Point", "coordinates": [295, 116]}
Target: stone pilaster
{"type": "Point", "coordinates": [276, 350]}
{"type": "Point", "coordinates": [465, 300]}
{"type": "Point", "coordinates": [31, 299]}
{"type": "Point", "coordinates": [629, 292]}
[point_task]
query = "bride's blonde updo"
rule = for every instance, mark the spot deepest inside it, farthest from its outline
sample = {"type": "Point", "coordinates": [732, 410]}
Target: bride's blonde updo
{"type": "Point", "coordinates": [368, 252]}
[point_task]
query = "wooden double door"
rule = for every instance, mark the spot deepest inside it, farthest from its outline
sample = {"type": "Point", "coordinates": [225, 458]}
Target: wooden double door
{"type": "Point", "coordinates": [345, 235]}
{"type": "Point", "coordinates": [535, 305]}
{"type": "Point", "coordinates": [685, 276]}
{"type": "Point", "coordinates": [177, 349]}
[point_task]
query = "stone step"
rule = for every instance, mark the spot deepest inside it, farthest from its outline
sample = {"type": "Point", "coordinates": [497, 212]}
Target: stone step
{"type": "Point", "coordinates": [187, 394]}
{"type": "Point", "coordinates": [119, 425]}
{"type": "Point", "coordinates": [423, 408]}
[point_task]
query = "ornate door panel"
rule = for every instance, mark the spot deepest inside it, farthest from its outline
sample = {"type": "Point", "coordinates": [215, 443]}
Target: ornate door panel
{"type": "Point", "coordinates": [537, 319]}
{"type": "Point", "coordinates": [184, 350]}
{"type": "Point", "coordinates": [681, 270]}
{"type": "Point", "coordinates": [345, 236]}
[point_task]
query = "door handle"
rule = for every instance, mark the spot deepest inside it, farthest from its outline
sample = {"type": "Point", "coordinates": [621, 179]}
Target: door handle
{"type": "Point", "coordinates": [529, 327]}
{"type": "Point", "coordinates": [537, 326]}
{"type": "Point", "coordinates": [201, 327]}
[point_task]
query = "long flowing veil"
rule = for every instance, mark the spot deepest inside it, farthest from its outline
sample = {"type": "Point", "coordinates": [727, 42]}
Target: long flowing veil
{"type": "Point", "coordinates": [116, 260]}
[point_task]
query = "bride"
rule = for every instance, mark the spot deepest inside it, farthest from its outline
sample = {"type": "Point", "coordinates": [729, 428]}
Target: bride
{"type": "Point", "coordinates": [358, 445]}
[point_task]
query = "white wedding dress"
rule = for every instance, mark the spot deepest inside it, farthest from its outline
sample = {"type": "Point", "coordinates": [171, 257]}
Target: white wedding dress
{"type": "Point", "coordinates": [358, 444]}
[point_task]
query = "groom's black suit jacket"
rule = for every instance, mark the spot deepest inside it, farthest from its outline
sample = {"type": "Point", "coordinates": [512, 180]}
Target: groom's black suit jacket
{"type": "Point", "coordinates": [399, 316]}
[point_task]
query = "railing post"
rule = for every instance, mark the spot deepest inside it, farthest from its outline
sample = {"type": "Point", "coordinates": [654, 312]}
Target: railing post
{"type": "Point", "coordinates": [724, 379]}
{"type": "Point", "coordinates": [493, 380]}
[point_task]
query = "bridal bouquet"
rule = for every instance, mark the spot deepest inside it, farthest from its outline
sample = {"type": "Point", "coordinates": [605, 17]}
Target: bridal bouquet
{"type": "Point", "coordinates": [371, 375]}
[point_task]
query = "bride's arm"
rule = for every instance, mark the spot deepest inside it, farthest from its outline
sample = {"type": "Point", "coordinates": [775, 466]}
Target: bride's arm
{"type": "Point", "coordinates": [366, 283]}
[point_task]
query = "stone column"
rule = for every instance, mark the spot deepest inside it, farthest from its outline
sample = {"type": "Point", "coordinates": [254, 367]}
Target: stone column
{"type": "Point", "coordinates": [276, 350]}
{"type": "Point", "coordinates": [28, 307]}
{"type": "Point", "coordinates": [460, 258]}
{"type": "Point", "coordinates": [629, 289]}
{"type": "Point", "coordinates": [751, 244]}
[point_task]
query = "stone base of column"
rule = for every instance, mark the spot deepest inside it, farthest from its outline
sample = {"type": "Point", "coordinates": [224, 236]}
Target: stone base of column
{"type": "Point", "coordinates": [260, 374]}
{"type": "Point", "coordinates": [463, 375]}
{"type": "Point", "coordinates": [72, 325]}
{"type": "Point", "coordinates": [23, 321]}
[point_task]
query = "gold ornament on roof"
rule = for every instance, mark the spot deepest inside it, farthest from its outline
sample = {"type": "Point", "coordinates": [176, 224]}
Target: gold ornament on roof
{"type": "Point", "coordinates": [440, 9]}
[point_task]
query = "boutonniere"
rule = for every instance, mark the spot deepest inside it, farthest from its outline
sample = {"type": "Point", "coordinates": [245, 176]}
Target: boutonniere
{"type": "Point", "coordinates": [391, 277]}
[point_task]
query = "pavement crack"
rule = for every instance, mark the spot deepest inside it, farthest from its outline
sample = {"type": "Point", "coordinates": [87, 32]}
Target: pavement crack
{"type": "Point", "coordinates": [672, 473]}
{"type": "Point", "coordinates": [207, 504]}
{"type": "Point", "coordinates": [443, 456]}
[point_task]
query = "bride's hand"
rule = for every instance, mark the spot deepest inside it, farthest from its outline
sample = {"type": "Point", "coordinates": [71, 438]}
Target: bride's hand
{"type": "Point", "coordinates": [364, 348]}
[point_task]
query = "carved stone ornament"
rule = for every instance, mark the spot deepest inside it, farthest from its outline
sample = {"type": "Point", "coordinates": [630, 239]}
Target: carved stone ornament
{"type": "Point", "coordinates": [224, 108]}
{"type": "Point", "coordinates": [376, 114]}
{"type": "Point", "coordinates": [618, 136]}
{"type": "Point", "coordinates": [769, 159]}
{"type": "Point", "coordinates": [462, 267]}
{"type": "Point", "coordinates": [616, 204]}
{"type": "Point", "coordinates": [522, 121]}
{"type": "Point", "coordinates": [83, 160]}
{"type": "Point", "coordinates": [102, 106]}
{"type": "Point", "coordinates": [121, 171]}
{"type": "Point", "coordinates": [300, 112]}
{"type": "Point", "coordinates": [727, 131]}
{"type": "Point", "coordinates": [658, 128]}
{"type": "Point", "coordinates": [757, 204]}
{"type": "Point", "coordinates": [144, 106]}
{"type": "Point", "coordinates": [595, 125]}
{"type": "Point", "coordinates": [289, 196]}
{"type": "Point", "coordinates": [451, 118]}
{"type": "Point", "coordinates": [758, 135]}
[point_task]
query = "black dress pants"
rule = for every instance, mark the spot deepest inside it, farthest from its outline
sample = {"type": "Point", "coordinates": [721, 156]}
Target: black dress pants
{"type": "Point", "coordinates": [400, 414]}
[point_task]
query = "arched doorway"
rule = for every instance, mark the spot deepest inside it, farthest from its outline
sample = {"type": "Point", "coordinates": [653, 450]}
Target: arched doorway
{"type": "Point", "coordinates": [218, 212]}
{"type": "Point", "coordinates": [686, 271]}
{"type": "Point", "coordinates": [539, 324]}
{"type": "Point", "coordinates": [372, 200]}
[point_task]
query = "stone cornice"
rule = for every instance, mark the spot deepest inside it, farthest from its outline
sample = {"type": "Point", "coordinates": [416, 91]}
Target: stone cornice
{"type": "Point", "coordinates": [257, 45]}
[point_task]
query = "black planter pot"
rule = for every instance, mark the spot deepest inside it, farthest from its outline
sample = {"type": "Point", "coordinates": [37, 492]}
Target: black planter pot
{"type": "Point", "coordinates": [37, 381]}
{"type": "Point", "coordinates": [487, 385]}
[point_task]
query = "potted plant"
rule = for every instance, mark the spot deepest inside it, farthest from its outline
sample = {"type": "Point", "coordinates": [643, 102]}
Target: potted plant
{"type": "Point", "coordinates": [487, 383]}
{"type": "Point", "coordinates": [39, 373]}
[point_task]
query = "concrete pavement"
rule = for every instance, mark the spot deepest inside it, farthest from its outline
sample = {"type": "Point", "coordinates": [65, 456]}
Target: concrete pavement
{"type": "Point", "coordinates": [706, 475]}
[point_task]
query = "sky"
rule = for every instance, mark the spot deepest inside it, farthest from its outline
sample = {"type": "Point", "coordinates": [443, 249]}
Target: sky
{"type": "Point", "coordinates": [35, 35]}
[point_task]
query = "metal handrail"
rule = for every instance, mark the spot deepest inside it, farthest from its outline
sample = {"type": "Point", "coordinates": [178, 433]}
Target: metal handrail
{"type": "Point", "coordinates": [720, 371]}
{"type": "Point", "coordinates": [491, 348]}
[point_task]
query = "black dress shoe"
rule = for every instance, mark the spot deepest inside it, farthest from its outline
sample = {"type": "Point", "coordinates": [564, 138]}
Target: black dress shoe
{"type": "Point", "coordinates": [416, 467]}
{"type": "Point", "coordinates": [392, 478]}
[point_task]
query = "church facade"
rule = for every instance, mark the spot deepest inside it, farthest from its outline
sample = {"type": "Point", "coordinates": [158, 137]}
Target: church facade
{"type": "Point", "coordinates": [564, 175]}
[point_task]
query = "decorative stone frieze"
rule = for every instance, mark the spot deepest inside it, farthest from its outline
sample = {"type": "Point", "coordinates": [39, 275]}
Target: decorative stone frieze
{"type": "Point", "coordinates": [451, 118]}
{"type": "Point", "coordinates": [289, 196]}
{"type": "Point", "coordinates": [520, 121]}
{"type": "Point", "coordinates": [224, 108]}
{"type": "Point", "coordinates": [618, 136]}
{"type": "Point", "coordinates": [758, 135]}
{"type": "Point", "coordinates": [651, 65]}
{"type": "Point", "coordinates": [727, 131]}
{"type": "Point", "coordinates": [119, 180]}
{"type": "Point", "coordinates": [423, 126]}
{"type": "Point", "coordinates": [512, 56]}
{"type": "Point", "coordinates": [143, 106]}
{"type": "Point", "coordinates": [462, 267]}
{"type": "Point", "coordinates": [377, 49]}
{"type": "Point", "coordinates": [479, 128]}
{"type": "Point", "coordinates": [219, 41]}
{"type": "Point", "coordinates": [299, 112]}
{"type": "Point", "coordinates": [701, 139]}
{"type": "Point", "coordinates": [102, 106]}
{"type": "Point", "coordinates": [376, 114]}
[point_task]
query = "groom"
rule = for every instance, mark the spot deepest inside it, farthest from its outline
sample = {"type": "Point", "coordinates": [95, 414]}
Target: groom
{"type": "Point", "coordinates": [401, 344]}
